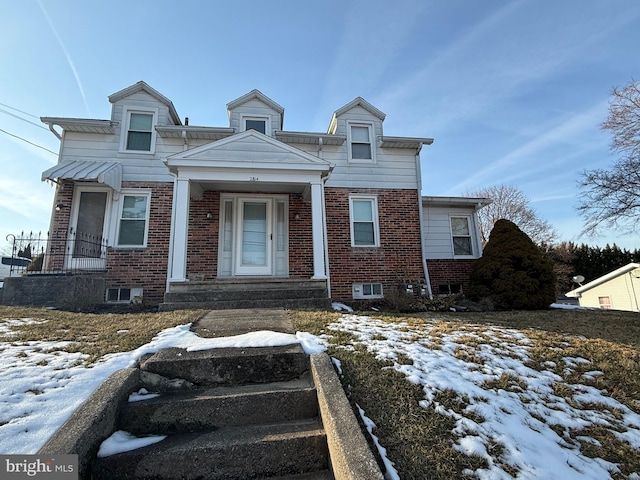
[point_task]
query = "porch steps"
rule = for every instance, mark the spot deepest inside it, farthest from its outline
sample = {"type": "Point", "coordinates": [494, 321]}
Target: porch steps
{"type": "Point", "coordinates": [237, 413]}
{"type": "Point", "coordinates": [247, 293]}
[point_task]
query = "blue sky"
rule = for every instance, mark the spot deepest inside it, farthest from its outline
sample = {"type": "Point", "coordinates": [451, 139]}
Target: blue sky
{"type": "Point", "coordinates": [512, 91]}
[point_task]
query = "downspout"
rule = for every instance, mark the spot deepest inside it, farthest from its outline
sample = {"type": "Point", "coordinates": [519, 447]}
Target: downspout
{"type": "Point", "coordinates": [477, 229]}
{"type": "Point", "coordinates": [423, 251]}
{"type": "Point", "coordinates": [184, 139]}
{"type": "Point", "coordinates": [53, 131]}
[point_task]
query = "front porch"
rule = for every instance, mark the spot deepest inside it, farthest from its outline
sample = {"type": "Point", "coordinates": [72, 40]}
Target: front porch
{"type": "Point", "coordinates": [236, 293]}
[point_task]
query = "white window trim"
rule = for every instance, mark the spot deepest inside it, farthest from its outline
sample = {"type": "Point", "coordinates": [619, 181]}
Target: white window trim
{"type": "Point", "coordinates": [372, 142]}
{"type": "Point", "coordinates": [357, 291]}
{"type": "Point", "coordinates": [376, 220]}
{"type": "Point", "coordinates": [471, 236]}
{"type": "Point", "coordinates": [126, 118]}
{"type": "Point", "coordinates": [138, 192]}
{"type": "Point", "coordinates": [266, 119]}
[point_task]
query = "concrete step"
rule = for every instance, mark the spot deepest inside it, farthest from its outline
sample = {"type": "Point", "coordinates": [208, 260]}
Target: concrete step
{"type": "Point", "coordinates": [231, 295]}
{"type": "Point", "coordinates": [319, 475]}
{"type": "Point", "coordinates": [207, 409]}
{"type": "Point", "coordinates": [248, 285]}
{"type": "Point", "coordinates": [230, 366]}
{"type": "Point", "coordinates": [248, 302]}
{"type": "Point", "coordinates": [262, 451]}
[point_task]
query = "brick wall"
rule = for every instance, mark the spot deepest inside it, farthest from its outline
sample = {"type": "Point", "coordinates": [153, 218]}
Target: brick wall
{"type": "Point", "coordinates": [202, 249]}
{"type": "Point", "coordinates": [300, 238]}
{"type": "Point", "coordinates": [449, 272]}
{"type": "Point", "coordinates": [399, 255]}
{"type": "Point", "coordinates": [202, 242]}
{"type": "Point", "coordinates": [145, 267]}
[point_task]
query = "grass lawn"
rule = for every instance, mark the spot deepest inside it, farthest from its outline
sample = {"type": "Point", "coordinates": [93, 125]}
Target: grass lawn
{"type": "Point", "coordinates": [602, 349]}
{"type": "Point", "coordinates": [421, 440]}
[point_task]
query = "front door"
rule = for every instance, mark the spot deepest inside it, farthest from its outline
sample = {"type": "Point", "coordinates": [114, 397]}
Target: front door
{"type": "Point", "coordinates": [254, 237]}
{"type": "Point", "coordinates": [86, 244]}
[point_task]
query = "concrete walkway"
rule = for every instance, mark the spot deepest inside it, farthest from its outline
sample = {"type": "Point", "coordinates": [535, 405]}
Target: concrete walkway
{"type": "Point", "coordinates": [226, 323]}
{"type": "Point", "coordinates": [325, 443]}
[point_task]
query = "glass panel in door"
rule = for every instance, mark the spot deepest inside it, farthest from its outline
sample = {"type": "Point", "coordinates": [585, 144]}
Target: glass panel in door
{"type": "Point", "coordinates": [254, 239]}
{"type": "Point", "coordinates": [87, 243]}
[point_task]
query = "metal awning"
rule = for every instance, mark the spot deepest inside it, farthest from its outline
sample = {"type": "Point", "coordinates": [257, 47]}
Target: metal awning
{"type": "Point", "coordinates": [108, 173]}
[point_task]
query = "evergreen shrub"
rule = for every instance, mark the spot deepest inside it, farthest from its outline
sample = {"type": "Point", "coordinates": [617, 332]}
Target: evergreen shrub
{"type": "Point", "coordinates": [512, 273]}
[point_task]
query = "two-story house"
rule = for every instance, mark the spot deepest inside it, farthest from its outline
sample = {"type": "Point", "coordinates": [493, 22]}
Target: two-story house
{"type": "Point", "coordinates": [183, 212]}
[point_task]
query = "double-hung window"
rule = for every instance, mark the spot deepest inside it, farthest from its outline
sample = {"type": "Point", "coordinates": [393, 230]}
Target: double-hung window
{"type": "Point", "coordinates": [364, 222]}
{"type": "Point", "coordinates": [361, 145]}
{"type": "Point", "coordinates": [134, 220]}
{"type": "Point", "coordinates": [461, 235]}
{"type": "Point", "coordinates": [139, 133]}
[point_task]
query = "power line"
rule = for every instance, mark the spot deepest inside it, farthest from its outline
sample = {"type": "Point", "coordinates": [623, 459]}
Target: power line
{"type": "Point", "coordinates": [17, 110]}
{"type": "Point", "coordinates": [23, 119]}
{"type": "Point", "coordinates": [25, 140]}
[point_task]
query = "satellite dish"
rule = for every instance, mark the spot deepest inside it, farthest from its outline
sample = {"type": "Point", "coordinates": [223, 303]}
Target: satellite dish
{"type": "Point", "coordinates": [578, 279]}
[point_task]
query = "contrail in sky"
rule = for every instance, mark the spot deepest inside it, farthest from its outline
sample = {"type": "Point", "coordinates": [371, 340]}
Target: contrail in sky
{"type": "Point", "coordinates": [66, 54]}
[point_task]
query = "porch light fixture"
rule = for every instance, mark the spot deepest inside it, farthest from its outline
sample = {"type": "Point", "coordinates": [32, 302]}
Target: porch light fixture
{"type": "Point", "coordinates": [296, 216]}
{"type": "Point", "coordinates": [59, 206]}
{"type": "Point", "coordinates": [209, 215]}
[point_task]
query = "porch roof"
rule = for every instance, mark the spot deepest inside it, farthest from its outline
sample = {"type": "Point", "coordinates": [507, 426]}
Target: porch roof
{"type": "Point", "coordinates": [108, 173]}
{"type": "Point", "coordinates": [248, 150]}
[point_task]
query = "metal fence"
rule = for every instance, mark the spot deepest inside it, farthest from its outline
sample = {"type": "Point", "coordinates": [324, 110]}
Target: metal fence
{"type": "Point", "coordinates": [60, 252]}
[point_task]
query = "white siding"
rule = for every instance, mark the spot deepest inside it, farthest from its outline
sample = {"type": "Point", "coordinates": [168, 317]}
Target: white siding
{"type": "Point", "coordinates": [393, 168]}
{"type": "Point", "coordinates": [624, 292]}
{"type": "Point", "coordinates": [254, 108]}
{"type": "Point", "coordinates": [436, 236]}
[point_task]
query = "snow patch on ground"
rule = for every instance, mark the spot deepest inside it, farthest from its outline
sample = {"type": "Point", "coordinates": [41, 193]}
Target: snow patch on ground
{"type": "Point", "coordinates": [122, 441]}
{"type": "Point", "coordinates": [520, 419]}
{"type": "Point", "coordinates": [42, 385]}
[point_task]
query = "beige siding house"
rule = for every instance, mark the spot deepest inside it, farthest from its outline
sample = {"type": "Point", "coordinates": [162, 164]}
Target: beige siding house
{"type": "Point", "coordinates": [618, 290]}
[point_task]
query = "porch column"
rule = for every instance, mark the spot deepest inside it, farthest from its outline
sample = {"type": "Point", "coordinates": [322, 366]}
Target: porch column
{"type": "Point", "coordinates": [319, 271]}
{"type": "Point", "coordinates": [180, 230]}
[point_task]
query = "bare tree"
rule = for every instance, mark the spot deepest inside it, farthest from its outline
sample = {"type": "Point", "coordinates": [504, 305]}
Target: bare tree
{"type": "Point", "coordinates": [513, 205]}
{"type": "Point", "coordinates": [611, 197]}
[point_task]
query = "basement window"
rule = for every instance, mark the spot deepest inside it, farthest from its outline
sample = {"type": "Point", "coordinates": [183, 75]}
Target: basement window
{"type": "Point", "coordinates": [367, 290]}
{"type": "Point", "coordinates": [122, 295]}
{"type": "Point", "coordinates": [449, 288]}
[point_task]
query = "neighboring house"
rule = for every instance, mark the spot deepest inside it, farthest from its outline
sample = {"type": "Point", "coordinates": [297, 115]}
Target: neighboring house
{"type": "Point", "coordinates": [159, 204]}
{"type": "Point", "coordinates": [618, 290]}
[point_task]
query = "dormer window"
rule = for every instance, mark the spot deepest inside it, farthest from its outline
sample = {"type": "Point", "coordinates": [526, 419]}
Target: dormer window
{"type": "Point", "coordinates": [139, 134]}
{"type": "Point", "coordinates": [360, 143]}
{"type": "Point", "coordinates": [259, 124]}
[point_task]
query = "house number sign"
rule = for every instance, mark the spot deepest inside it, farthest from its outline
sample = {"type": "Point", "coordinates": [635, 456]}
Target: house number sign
{"type": "Point", "coordinates": [253, 179]}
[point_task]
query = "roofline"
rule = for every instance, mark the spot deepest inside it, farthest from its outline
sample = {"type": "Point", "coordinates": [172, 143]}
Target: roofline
{"type": "Point", "coordinates": [477, 202]}
{"type": "Point", "coordinates": [575, 293]}
{"type": "Point", "coordinates": [358, 101]}
{"type": "Point", "coordinates": [141, 85]}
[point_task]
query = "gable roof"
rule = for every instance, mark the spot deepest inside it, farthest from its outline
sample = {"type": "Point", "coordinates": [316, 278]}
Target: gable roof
{"type": "Point", "coordinates": [249, 149]}
{"type": "Point", "coordinates": [258, 95]}
{"type": "Point", "coordinates": [144, 87]}
{"type": "Point", "coordinates": [603, 279]}
{"type": "Point", "coordinates": [356, 102]}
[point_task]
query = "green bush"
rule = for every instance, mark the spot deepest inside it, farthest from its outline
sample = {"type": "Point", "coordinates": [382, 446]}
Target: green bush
{"type": "Point", "coordinates": [512, 272]}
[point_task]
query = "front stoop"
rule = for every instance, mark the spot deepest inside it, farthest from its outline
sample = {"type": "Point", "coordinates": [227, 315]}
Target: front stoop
{"type": "Point", "coordinates": [246, 293]}
{"type": "Point", "coordinates": [233, 414]}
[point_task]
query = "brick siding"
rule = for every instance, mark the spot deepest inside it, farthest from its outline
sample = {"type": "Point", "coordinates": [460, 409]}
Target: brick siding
{"type": "Point", "coordinates": [399, 256]}
{"type": "Point", "coordinates": [449, 272]}
{"type": "Point", "coordinates": [145, 267]}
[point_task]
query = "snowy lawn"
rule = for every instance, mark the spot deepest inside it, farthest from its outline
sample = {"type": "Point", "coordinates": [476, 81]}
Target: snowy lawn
{"type": "Point", "coordinates": [454, 399]}
{"type": "Point", "coordinates": [446, 398]}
